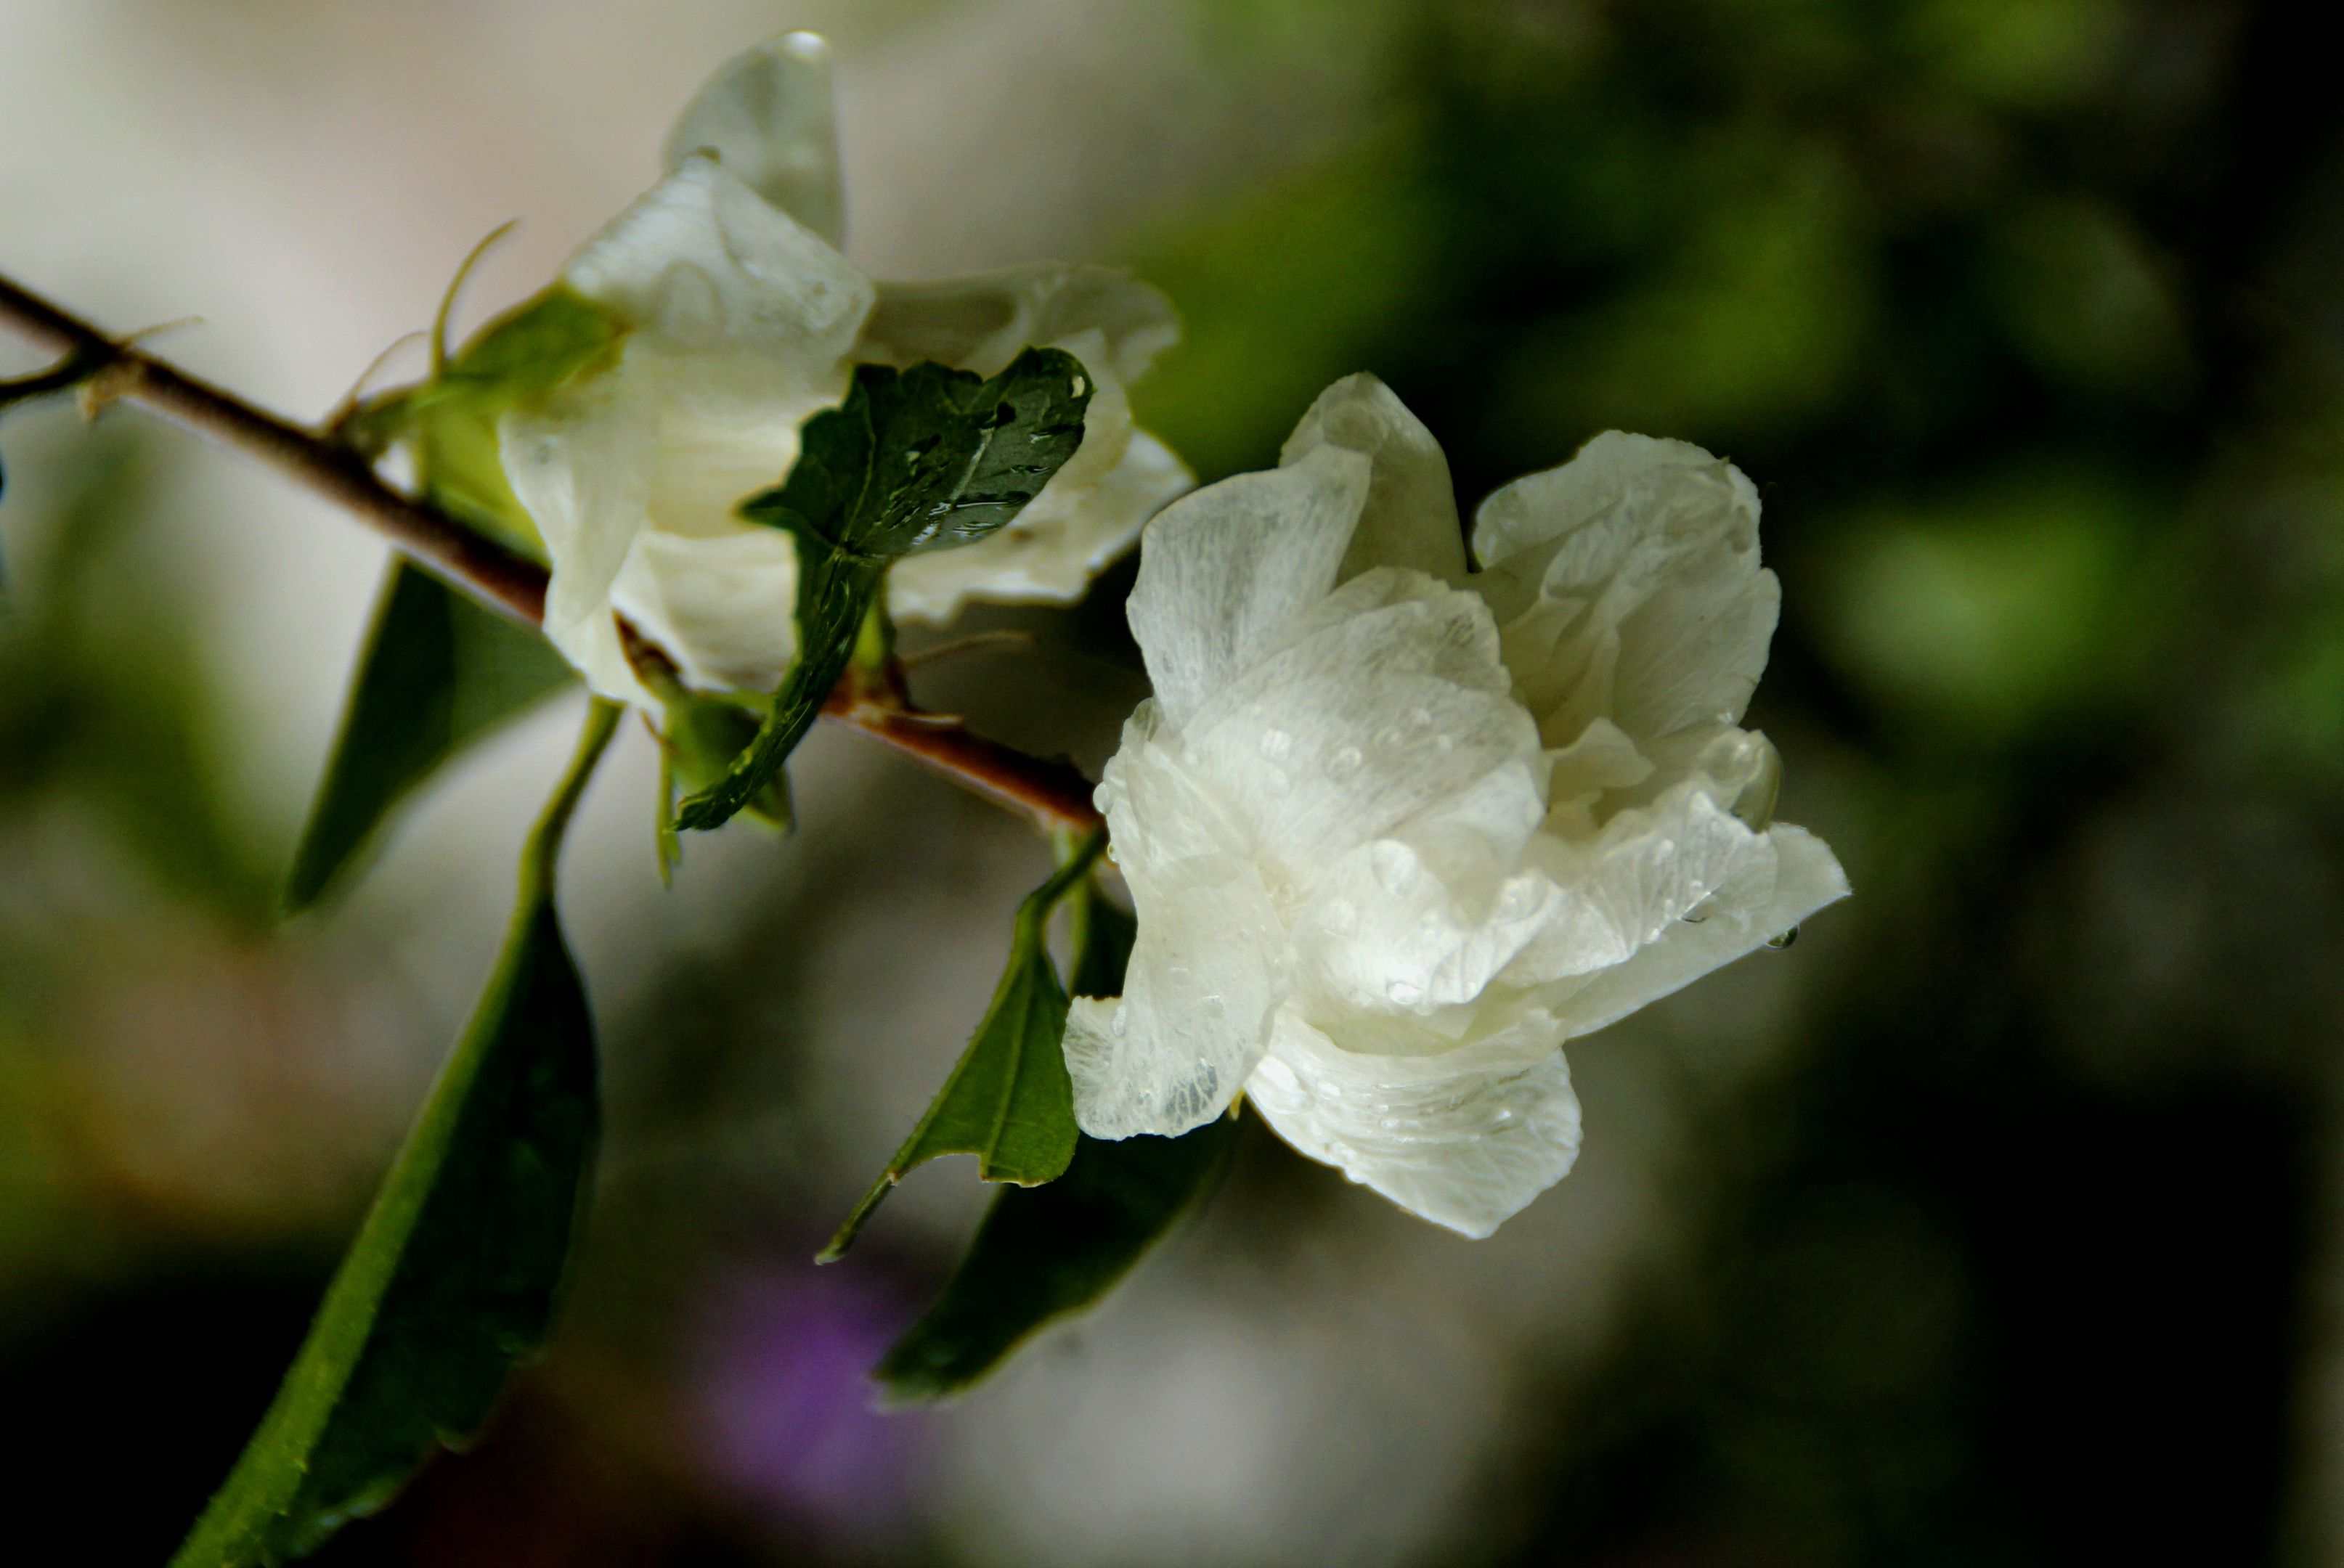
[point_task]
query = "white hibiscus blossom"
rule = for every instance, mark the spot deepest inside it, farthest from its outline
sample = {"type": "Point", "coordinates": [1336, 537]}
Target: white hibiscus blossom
{"type": "Point", "coordinates": [743, 320]}
{"type": "Point", "coordinates": [1396, 829]}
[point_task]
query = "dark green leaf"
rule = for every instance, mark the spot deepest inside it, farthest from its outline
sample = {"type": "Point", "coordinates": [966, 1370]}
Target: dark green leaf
{"type": "Point", "coordinates": [698, 743]}
{"type": "Point", "coordinates": [835, 592]}
{"type": "Point", "coordinates": [448, 423]}
{"type": "Point", "coordinates": [930, 458]}
{"type": "Point", "coordinates": [438, 672]}
{"type": "Point", "coordinates": [1044, 1253]}
{"type": "Point", "coordinates": [1008, 1100]}
{"type": "Point", "coordinates": [916, 460]}
{"type": "Point", "coordinates": [453, 1277]}
{"type": "Point", "coordinates": [1047, 1251]}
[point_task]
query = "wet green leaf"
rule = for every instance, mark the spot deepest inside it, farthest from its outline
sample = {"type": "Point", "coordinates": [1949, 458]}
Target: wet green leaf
{"type": "Point", "coordinates": [915, 460]}
{"type": "Point", "coordinates": [930, 458]}
{"type": "Point", "coordinates": [453, 1277]}
{"type": "Point", "coordinates": [1009, 1101]}
{"type": "Point", "coordinates": [1045, 1252]}
{"type": "Point", "coordinates": [438, 673]}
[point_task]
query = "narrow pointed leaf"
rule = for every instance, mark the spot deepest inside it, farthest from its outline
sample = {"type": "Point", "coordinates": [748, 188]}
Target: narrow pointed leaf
{"type": "Point", "coordinates": [1044, 1253]}
{"type": "Point", "coordinates": [1009, 1100]}
{"type": "Point", "coordinates": [697, 744]}
{"type": "Point", "coordinates": [922, 459]}
{"type": "Point", "coordinates": [438, 673]}
{"type": "Point", "coordinates": [453, 1277]}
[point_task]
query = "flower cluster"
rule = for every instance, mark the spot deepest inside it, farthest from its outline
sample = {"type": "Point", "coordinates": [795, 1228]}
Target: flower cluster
{"type": "Point", "coordinates": [1395, 828]}
{"type": "Point", "coordinates": [741, 319]}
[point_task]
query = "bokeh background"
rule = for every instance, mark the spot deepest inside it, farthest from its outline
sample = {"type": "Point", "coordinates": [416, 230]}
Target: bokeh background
{"type": "Point", "coordinates": [2000, 1220]}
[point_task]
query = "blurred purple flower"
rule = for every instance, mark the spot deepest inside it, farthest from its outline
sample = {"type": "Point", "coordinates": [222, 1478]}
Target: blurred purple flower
{"type": "Point", "coordinates": [782, 1413]}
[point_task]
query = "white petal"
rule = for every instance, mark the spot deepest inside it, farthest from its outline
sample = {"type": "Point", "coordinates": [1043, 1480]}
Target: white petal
{"type": "Point", "coordinates": [768, 117]}
{"type": "Point", "coordinates": [702, 262]}
{"type": "Point", "coordinates": [1649, 868]}
{"type": "Point", "coordinates": [724, 608]}
{"type": "Point", "coordinates": [1406, 926]}
{"type": "Point", "coordinates": [1411, 517]}
{"type": "Point", "coordinates": [1628, 586]}
{"type": "Point", "coordinates": [1378, 703]}
{"type": "Point", "coordinates": [980, 323]}
{"type": "Point", "coordinates": [582, 466]}
{"type": "Point", "coordinates": [1223, 571]}
{"type": "Point", "coordinates": [1205, 971]}
{"type": "Point", "coordinates": [1803, 876]}
{"type": "Point", "coordinates": [1464, 1137]}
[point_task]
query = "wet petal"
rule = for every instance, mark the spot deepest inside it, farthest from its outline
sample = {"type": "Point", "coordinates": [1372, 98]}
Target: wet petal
{"type": "Point", "coordinates": [1205, 973]}
{"type": "Point", "coordinates": [701, 262]}
{"type": "Point", "coordinates": [1628, 586]}
{"type": "Point", "coordinates": [1795, 876]}
{"type": "Point", "coordinates": [1223, 571]}
{"type": "Point", "coordinates": [1463, 1136]}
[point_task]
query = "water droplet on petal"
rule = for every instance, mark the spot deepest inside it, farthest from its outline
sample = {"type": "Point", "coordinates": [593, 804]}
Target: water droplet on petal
{"type": "Point", "coordinates": [1276, 744]}
{"type": "Point", "coordinates": [1404, 993]}
{"type": "Point", "coordinates": [1784, 941]}
{"type": "Point", "coordinates": [1344, 762]}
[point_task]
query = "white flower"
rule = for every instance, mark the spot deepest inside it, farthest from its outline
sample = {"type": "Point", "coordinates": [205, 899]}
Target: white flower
{"type": "Point", "coordinates": [1395, 829]}
{"type": "Point", "coordinates": [743, 321]}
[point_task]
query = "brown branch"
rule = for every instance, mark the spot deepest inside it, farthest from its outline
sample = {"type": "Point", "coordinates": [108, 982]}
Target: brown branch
{"type": "Point", "coordinates": [1055, 794]}
{"type": "Point", "coordinates": [497, 575]}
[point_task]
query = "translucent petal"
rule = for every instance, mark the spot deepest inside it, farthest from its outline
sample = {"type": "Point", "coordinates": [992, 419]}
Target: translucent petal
{"type": "Point", "coordinates": [1649, 868]}
{"type": "Point", "coordinates": [767, 116]}
{"type": "Point", "coordinates": [1206, 969]}
{"type": "Point", "coordinates": [701, 262]}
{"type": "Point", "coordinates": [723, 607]}
{"type": "Point", "coordinates": [1464, 1137]}
{"type": "Point", "coordinates": [1801, 877]}
{"type": "Point", "coordinates": [1411, 517]}
{"type": "Point", "coordinates": [1372, 705]}
{"type": "Point", "coordinates": [1221, 571]}
{"type": "Point", "coordinates": [980, 323]}
{"type": "Point", "coordinates": [1628, 586]}
{"type": "Point", "coordinates": [583, 466]}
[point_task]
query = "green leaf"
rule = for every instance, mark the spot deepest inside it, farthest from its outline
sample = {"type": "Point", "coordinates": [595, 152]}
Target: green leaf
{"type": "Point", "coordinates": [698, 743]}
{"type": "Point", "coordinates": [449, 424]}
{"type": "Point", "coordinates": [453, 1277]}
{"type": "Point", "coordinates": [1045, 1252]}
{"type": "Point", "coordinates": [922, 459]}
{"type": "Point", "coordinates": [438, 672]}
{"type": "Point", "coordinates": [1009, 1101]}
{"type": "Point", "coordinates": [930, 458]}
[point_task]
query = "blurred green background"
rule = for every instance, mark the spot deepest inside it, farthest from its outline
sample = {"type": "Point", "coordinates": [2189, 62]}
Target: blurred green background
{"type": "Point", "coordinates": [1997, 1222]}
